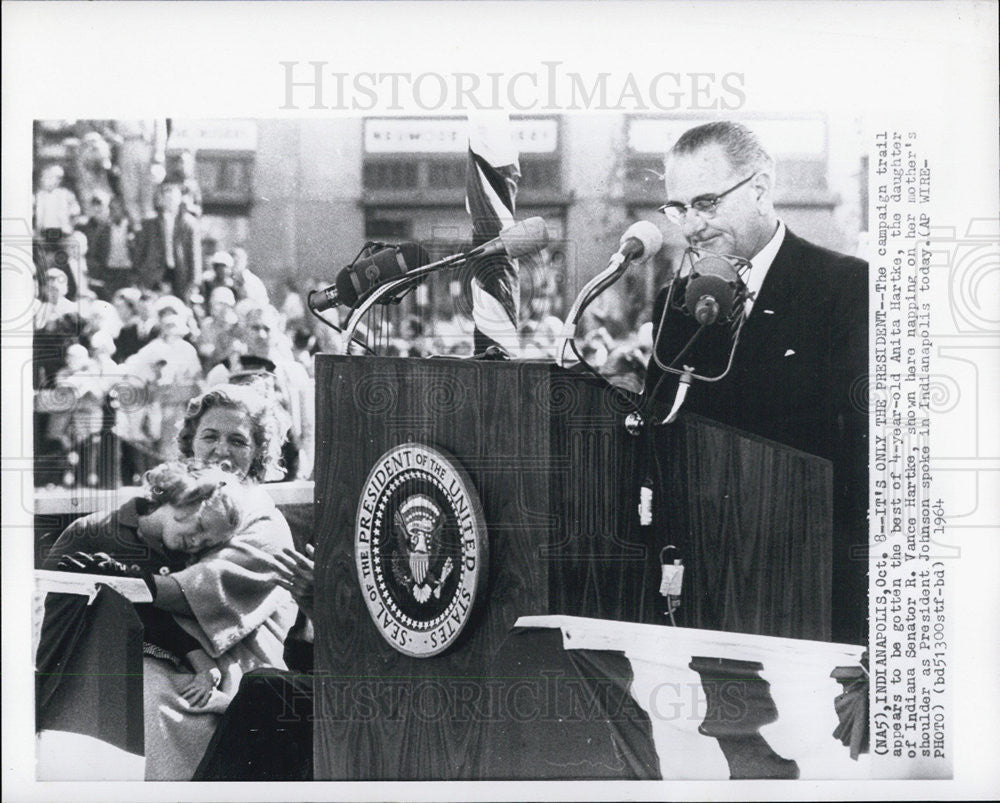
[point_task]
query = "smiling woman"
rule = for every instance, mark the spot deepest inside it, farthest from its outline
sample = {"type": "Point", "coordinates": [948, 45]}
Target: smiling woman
{"type": "Point", "coordinates": [224, 434]}
{"type": "Point", "coordinates": [236, 425]}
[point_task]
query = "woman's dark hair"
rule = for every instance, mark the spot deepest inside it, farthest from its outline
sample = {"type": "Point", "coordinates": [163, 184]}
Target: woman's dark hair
{"type": "Point", "coordinates": [268, 425]}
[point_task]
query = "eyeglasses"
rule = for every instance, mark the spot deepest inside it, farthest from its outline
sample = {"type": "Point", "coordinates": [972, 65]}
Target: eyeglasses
{"type": "Point", "coordinates": [704, 205]}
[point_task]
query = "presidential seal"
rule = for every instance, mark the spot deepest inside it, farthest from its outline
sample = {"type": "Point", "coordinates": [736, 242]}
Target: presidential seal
{"type": "Point", "coordinates": [421, 548]}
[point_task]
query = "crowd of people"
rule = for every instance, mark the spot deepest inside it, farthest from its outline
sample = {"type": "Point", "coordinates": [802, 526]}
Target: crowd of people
{"type": "Point", "coordinates": [114, 374]}
{"type": "Point", "coordinates": [137, 313]}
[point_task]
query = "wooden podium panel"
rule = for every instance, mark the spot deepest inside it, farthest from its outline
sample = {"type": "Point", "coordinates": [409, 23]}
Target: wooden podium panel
{"type": "Point", "coordinates": [752, 519]}
{"type": "Point", "coordinates": [547, 453]}
{"type": "Point", "coordinates": [558, 476]}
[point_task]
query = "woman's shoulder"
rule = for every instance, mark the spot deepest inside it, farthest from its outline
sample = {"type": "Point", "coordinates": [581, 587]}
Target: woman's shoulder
{"type": "Point", "coordinates": [261, 517]}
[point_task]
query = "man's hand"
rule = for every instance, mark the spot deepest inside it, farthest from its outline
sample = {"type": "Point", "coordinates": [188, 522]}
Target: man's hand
{"type": "Point", "coordinates": [295, 573]}
{"type": "Point", "coordinates": [199, 691]}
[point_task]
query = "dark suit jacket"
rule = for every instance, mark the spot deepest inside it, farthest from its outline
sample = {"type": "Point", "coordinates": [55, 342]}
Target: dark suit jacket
{"type": "Point", "coordinates": [98, 236]}
{"type": "Point", "coordinates": [799, 377]}
{"type": "Point", "coordinates": [151, 255]}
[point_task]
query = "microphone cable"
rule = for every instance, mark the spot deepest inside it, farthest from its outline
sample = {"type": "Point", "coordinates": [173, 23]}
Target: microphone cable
{"type": "Point", "coordinates": [665, 369]}
{"type": "Point", "coordinates": [629, 403]}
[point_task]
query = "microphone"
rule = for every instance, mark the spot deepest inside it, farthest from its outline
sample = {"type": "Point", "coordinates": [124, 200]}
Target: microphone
{"type": "Point", "coordinates": [523, 238]}
{"type": "Point", "coordinates": [715, 293]}
{"type": "Point", "coordinates": [713, 289]}
{"type": "Point", "coordinates": [368, 271]}
{"type": "Point", "coordinates": [640, 241]}
{"type": "Point", "coordinates": [387, 264]}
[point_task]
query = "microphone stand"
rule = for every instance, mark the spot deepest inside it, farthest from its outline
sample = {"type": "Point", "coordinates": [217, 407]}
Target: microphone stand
{"type": "Point", "coordinates": [381, 291]}
{"type": "Point", "coordinates": [617, 266]}
{"type": "Point", "coordinates": [687, 372]}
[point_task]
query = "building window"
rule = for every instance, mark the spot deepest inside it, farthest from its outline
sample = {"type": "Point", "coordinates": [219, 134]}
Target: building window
{"type": "Point", "coordinates": [382, 228]}
{"type": "Point", "coordinates": [391, 174]}
{"type": "Point", "coordinates": [226, 179]}
{"type": "Point", "coordinates": [446, 174]}
{"type": "Point", "coordinates": [423, 162]}
{"type": "Point", "coordinates": [540, 174]}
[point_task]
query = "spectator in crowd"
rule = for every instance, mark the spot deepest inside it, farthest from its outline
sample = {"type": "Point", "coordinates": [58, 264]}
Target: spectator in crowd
{"type": "Point", "coordinates": [127, 302]}
{"type": "Point", "coordinates": [170, 367]}
{"type": "Point", "coordinates": [155, 256]}
{"type": "Point", "coordinates": [147, 326]}
{"type": "Point", "coordinates": [120, 244]}
{"type": "Point", "coordinates": [187, 273]}
{"type": "Point", "coordinates": [76, 417]}
{"type": "Point", "coordinates": [55, 304]}
{"type": "Point", "coordinates": [96, 227]}
{"type": "Point", "coordinates": [56, 211]}
{"type": "Point", "coordinates": [219, 338]}
{"type": "Point", "coordinates": [74, 258]}
{"type": "Point", "coordinates": [246, 284]}
{"type": "Point", "coordinates": [293, 310]}
{"type": "Point", "coordinates": [303, 349]}
{"type": "Point", "coordinates": [102, 350]}
{"type": "Point", "coordinates": [56, 208]}
{"type": "Point", "coordinates": [100, 316]}
{"type": "Point", "coordinates": [219, 273]}
{"type": "Point", "coordinates": [141, 159]}
{"type": "Point", "coordinates": [184, 172]}
{"type": "Point", "coordinates": [93, 168]}
{"type": "Point", "coordinates": [167, 252]}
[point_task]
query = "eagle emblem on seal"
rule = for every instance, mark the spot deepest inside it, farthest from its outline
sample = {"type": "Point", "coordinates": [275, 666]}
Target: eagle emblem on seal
{"type": "Point", "coordinates": [417, 524]}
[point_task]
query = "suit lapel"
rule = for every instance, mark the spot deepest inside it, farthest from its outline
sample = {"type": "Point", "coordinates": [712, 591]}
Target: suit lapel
{"type": "Point", "coordinates": [778, 301]}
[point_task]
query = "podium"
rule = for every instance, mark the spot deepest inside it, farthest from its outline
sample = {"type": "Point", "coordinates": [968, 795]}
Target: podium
{"type": "Point", "coordinates": [558, 480]}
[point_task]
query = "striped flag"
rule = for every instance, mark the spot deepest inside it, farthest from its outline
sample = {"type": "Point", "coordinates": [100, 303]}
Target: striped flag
{"type": "Point", "coordinates": [492, 174]}
{"type": "Point", "coordinates": [731, 705]}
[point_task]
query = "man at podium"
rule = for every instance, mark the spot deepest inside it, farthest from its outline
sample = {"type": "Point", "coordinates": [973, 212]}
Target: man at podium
{"type": "Point", "coordinates": [798, 373]}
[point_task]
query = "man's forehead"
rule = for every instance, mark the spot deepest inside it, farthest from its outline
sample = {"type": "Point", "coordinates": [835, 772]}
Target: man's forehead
{"type": "Point", "coordinates": [704, 171]}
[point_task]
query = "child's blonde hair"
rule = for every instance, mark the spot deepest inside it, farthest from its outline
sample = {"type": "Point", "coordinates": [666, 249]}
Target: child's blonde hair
{"type": "Point", "coordinates": [185, 483]}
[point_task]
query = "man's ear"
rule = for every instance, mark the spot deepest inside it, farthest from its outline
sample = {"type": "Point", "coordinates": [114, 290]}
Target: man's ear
{"type": "Point", "coordinates": [763, 185]}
